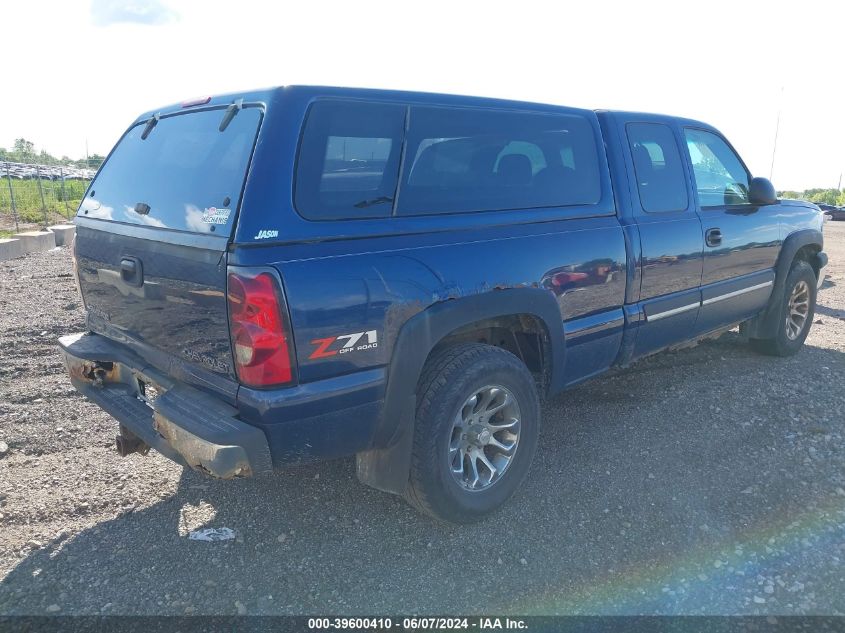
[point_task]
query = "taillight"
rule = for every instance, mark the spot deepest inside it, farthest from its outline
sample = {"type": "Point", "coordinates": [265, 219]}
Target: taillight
{"type": "Point", "coordinates": [259, 331]}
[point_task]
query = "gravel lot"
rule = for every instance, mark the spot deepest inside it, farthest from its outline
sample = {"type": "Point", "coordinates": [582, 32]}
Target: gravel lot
{"type": "Point", "coordinates": [718, 488]}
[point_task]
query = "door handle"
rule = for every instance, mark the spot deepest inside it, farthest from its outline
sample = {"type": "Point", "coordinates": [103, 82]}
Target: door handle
{"type": "Point", "coordinates": [713, 237]}
{"type": "Point", "coordinates": [131, 271]}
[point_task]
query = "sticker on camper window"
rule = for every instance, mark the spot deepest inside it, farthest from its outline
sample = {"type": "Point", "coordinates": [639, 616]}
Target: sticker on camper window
{"type": "Point", "coordinates": [213, 215]}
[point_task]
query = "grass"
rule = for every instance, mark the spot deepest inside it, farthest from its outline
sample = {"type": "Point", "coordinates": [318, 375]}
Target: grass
{"type": "Point", "coordinates": [57, 204]}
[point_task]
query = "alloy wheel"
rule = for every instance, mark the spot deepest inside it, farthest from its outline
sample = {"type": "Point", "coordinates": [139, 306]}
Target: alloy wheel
{"type": "Point", "coordinates": [797, 310]}
{"type": "Point", "coordinates": [484, 439]}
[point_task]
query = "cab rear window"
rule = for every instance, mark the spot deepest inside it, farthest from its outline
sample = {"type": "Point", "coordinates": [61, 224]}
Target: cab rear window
{"type": "Point", "coordinates": [186, 175]}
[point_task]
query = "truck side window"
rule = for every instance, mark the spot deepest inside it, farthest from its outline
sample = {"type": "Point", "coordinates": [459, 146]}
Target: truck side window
{"type": "Point", "coordinates": [657, 163]}
{"type": "Point", "coordinates": [349, 160]}
{"type": "Point", "coordinates": [523, 148]}
{"type": "Point", "coordinates": [720, 177]}
{"type": "Point", "coordinates": [460, 160]}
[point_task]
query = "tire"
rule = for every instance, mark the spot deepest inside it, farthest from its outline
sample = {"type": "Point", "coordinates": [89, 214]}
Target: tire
{"type": "Point", "coordinates": [787, 340]}
{"type": "Point", "coordinates": [456, 383]}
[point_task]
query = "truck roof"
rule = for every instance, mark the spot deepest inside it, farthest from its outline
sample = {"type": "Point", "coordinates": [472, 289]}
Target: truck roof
{"type": "Point", "coordinates": [267, 95]}
{"type": "Point", "coordinates": [635, 114]}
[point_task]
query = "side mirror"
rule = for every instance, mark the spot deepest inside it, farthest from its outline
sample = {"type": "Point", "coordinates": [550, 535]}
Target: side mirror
{"type": "Point", "coordinates": [761, 191]}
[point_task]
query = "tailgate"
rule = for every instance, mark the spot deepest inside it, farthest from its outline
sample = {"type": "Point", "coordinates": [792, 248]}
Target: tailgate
{"type": "Point", "coordinates": [166, 295]}
{"type": "Point", "coordinates": [153, 230]}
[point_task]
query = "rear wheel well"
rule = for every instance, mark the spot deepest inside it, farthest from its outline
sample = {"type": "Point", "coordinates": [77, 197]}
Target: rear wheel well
{"type": "Point", "coordinates": [523, 335]}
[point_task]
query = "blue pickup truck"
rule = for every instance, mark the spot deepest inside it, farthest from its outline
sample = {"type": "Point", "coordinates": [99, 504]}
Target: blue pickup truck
{"type": "Point", "coordinates": [280, 276]}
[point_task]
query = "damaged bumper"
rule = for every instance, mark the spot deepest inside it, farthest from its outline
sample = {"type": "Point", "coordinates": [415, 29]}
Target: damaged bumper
{"type": "Point", "coordinates": [184, 424]}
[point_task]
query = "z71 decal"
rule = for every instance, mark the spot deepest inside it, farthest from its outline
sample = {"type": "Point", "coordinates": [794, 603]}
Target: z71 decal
{"type": "Point", "coordinates": [351, 343]}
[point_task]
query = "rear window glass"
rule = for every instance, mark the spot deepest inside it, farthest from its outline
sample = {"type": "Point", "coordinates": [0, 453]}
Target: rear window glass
{"type": "Point", "coordinates": [657, 163]}
{"type": "Point", "coordinates": [462, 160]}
{"type": "Point", "coordinates": [349, 160]}
{"type": "Point", "coordinates": [186, 175]}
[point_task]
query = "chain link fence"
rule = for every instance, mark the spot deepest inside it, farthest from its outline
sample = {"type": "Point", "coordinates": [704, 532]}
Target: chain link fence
{"type": "Point", "coordinates": [37, 196]}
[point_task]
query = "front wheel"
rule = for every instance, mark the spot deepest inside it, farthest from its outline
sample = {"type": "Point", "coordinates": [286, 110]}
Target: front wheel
{"type": "Point", "coordinates": [475, 433]}
{"type": "Point", "coordinates": [797, 307]}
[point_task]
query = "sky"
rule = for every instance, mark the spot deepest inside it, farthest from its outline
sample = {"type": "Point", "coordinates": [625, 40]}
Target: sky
{"type": "Point", "coordinates": [77, 72]}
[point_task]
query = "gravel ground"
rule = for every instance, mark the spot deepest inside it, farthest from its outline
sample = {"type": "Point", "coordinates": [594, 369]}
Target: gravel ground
{"type": "Point", "coordinates": [718, 487]}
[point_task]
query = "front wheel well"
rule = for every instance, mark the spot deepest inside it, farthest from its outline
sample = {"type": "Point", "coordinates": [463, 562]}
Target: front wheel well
{"type": "Point", "coordinates": [765, 324]}
{"type": "Point", "coordinates": [523, 335]}
{"type": "Point", "coordinates": [808, 254]}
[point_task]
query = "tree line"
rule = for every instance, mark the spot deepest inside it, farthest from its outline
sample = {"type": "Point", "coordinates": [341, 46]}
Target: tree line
{"type": "Point", "coordinates": [825, 196]}
{"type": "Point", "coordinates": [23, 151]}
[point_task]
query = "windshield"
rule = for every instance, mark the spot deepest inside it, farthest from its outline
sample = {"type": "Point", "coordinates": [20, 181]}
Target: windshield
{"type": "Point", "coordinates": [185, 175]}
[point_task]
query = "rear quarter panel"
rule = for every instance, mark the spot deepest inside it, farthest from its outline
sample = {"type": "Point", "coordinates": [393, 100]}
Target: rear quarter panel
{"type": "Point", "coordinates": [347, 287]}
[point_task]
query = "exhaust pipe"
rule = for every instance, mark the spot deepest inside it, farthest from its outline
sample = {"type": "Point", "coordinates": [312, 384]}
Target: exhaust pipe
{"type": "Point", "coordinates": [127, 443]}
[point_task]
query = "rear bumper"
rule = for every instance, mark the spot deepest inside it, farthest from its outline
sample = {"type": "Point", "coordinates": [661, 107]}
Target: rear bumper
{"type": "Point", "coordinates": [186, 425]}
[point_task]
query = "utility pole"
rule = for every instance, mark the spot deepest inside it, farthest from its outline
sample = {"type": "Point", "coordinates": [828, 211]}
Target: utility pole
{"type": "Point", "coordinates": [12, 198]}
{"type": "Point", "coordinates": [777, 128]}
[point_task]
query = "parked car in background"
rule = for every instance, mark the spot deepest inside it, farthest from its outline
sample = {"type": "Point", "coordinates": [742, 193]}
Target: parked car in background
{"type": "Point", "coordinates": [832, 211]}
{"type": "Point", "coordinates": [301, 273]}
{"type": "Point", "coordinates": [837, 213]}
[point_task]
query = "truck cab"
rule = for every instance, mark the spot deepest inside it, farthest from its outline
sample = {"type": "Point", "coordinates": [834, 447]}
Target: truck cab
{"type": "Point", "coordinates": [303, 273]}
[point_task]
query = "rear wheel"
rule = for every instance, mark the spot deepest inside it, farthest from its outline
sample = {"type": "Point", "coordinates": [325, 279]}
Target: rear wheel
{"type": "Point", "coordinates": [475, 433]}
{"type": "Point", "coordinates": [797, 307]}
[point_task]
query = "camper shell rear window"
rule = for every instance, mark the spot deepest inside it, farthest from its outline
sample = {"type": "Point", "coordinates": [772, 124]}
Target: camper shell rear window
{"type": "Point", "coordinates": [180, 172]}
